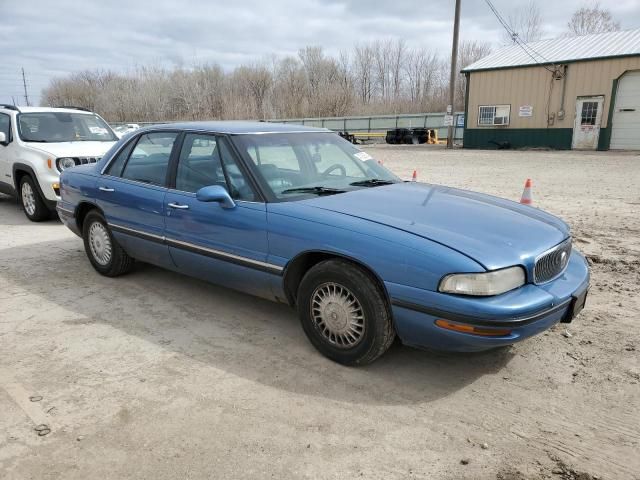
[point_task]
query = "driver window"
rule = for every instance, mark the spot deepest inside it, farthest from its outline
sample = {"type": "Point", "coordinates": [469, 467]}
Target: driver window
{"type": "Point", "coordinates": [206, 160]}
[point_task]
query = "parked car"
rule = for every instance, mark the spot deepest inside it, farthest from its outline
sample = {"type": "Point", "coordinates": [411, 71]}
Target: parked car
{"type": "Point", "coordinates": [38, 143]}
{"type": "Point", "coordinates": [122, 130]}
{"type": "Point", "coordinates": [301, 216]}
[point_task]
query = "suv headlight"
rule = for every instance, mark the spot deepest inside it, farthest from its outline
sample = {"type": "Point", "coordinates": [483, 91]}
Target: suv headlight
{"type": "Point", "coordinates": [483, 284]}
{"type": "Point", "coordinates": [65, 162]}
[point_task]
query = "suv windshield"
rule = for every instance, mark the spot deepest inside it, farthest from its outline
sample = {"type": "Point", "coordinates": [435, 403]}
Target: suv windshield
{"type": "Point", "coordinates": [295, 164]}
{"type": "Point", "coordinates": [50, 127]}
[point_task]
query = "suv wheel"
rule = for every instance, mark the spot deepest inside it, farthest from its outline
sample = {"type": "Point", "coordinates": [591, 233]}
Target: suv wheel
{"type": "Point", "coordinates": [345, 313]}
{"type": "Point", "coordinates": [34, 207]}
{"type": "Point", "coordinates": [104, 252]}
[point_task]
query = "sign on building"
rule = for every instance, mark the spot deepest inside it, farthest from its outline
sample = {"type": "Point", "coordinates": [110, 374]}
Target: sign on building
{"type": "Point", "coordinates": [525, 111]}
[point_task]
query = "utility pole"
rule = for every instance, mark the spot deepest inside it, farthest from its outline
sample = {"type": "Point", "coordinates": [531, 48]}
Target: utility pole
{"type": "Point", "coordinates": [24, 83]}
{"type": "Point", "coordinates": [454, 73]}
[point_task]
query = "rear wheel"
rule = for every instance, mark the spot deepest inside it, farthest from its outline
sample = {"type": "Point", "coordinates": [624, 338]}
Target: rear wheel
{"type": "Point", "coordinates": [32, 203]}
{"type": "Point", "coordinates": [104, 252]}
{"type": "Point", "coordinates": [344, 313]}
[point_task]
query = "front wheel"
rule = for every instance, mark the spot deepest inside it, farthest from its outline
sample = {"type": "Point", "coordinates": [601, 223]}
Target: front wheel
{"type": "Point", "coordinates": [104, 252]}
{"type": "Point", "coordinates": [344, 313]}
{"type": "Point", "coordinates": [32, 203]}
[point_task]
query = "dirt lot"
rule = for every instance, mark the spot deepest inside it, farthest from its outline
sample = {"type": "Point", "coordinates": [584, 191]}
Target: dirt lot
{"type": "Point", "coordinates": [155, 375]}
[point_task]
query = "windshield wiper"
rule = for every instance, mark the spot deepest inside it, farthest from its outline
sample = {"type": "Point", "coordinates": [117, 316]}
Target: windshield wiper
{"type": "Point", "coordinates": [371, 182]}
{"type": "Point", "coordinates": [316, 190]}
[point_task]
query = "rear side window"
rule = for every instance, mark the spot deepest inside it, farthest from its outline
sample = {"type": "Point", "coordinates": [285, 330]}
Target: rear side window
{"type": "Point", "coordinates": [149, 159]}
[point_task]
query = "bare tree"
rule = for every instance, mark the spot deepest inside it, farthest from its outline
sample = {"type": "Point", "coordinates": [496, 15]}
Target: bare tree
{"type": "Point", "coordinates": [526, 22]}
{"type": "Point", "coordinates": [377, 77]}
{"type": "Point", "coordinates": [398, 53]}
{"type": "Point", "coordinates": [290, 89]}
{"type": "Point", "coordinates": [258, 82]}
{"type": "Point", "coordinates": [422, 70]}
{"type": "Point", "coordinates": [591, 19]}
{"type": "Point", "coordinates": [363, 72]}
{"type": "Point", "coordinates": [382, 53]}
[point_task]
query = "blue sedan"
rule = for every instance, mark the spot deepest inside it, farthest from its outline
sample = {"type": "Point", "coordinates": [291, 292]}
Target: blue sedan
{"type": "Point", "coordinates": [300, 216]}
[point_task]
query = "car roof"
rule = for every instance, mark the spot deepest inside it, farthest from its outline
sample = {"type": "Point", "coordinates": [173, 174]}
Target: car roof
{"type": "Point", "coordinates": [21, 109]}
{"type": "Point", "coordinates": [238, 127]}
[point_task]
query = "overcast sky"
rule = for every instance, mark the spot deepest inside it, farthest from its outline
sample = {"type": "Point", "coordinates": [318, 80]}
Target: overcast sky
{"type": "Point", "coordinates": [55, 37]}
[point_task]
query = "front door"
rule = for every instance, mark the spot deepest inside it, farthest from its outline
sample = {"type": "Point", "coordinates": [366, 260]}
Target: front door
{"type": "Point", "coordinates": [131, 194]}
{"type": "Point", "coordinates": [227, 246]}
{"type": "Point", "coordinates": [586, 129]}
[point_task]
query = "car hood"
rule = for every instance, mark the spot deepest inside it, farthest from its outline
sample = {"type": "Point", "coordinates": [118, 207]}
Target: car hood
{"type": "Point", "coordinates": [73, 149]}
{"type": "Point", "coordinates": [494, 232]}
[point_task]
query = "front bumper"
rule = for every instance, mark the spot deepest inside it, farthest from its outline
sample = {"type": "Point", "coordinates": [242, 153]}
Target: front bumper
{"type": "Point", "coordinates": [46, 181]}
{"type": "Point", "coordinates": [526, 311]}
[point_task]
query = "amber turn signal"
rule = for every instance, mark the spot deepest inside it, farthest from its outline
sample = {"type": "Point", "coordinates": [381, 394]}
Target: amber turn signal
{"type": "Point", "coordinates": [473, 330]}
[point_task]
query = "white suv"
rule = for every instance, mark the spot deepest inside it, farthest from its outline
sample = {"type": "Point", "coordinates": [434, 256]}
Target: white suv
{"type": "Point", "coordinates": [37, 143]}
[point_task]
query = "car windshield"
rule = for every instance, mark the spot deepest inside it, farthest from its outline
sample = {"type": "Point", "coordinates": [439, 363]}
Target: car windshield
{"type": "Point", "coordinates": [295, 164]}
{"type": "Point", "coordinates": [50, 127]}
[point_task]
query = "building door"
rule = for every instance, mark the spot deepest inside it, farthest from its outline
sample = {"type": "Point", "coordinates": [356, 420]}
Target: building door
{"type": "Point", "coordinates": [626, 113]}
{"type": "Point", "coordinates": [586, 129]}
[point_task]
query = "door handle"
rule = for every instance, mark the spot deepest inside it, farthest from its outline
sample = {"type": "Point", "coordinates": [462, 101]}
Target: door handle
{"type": "Point", "coordinates": [176, 205]}
{"type": "Point", "coordinates": [107, 189]}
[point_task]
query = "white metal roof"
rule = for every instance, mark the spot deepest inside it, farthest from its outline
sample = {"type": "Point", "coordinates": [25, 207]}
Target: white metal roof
{"type": "Point", "coordinates": [560, 50]}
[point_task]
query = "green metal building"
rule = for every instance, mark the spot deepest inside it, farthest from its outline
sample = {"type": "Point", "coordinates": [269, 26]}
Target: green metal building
{"type": "Point", "coordinates": [568, 93]}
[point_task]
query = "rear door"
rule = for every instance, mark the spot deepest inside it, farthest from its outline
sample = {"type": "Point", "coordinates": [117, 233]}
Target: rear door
{"type": "Point", "coordinates": [227, 246]}
{"type": "Point", "coordinates": [131, 193]}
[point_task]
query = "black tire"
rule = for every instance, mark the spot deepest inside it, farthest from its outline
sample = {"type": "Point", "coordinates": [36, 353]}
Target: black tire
{"type": "Point", "coordinates": [118, 261]}
{"type": "Point", "coordinates": [31, 201]}
{"type": "Point", "coordinates": [377, 332]}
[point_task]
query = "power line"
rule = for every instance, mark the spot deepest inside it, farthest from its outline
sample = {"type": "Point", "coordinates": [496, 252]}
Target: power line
{"type": "Point", "coordinates": [528, 49]}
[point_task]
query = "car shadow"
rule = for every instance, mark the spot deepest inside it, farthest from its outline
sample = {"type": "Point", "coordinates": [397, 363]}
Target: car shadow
{"type": "Point", "coordinates": [12, 213]}
{"type": "Point", "coordinates": [245, 336]}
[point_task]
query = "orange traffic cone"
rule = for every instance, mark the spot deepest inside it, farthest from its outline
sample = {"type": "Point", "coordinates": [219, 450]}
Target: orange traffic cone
{"type": "Point", "coordinates": [527, 196]}
{"type": "Point", "coordinates": [414, 177]}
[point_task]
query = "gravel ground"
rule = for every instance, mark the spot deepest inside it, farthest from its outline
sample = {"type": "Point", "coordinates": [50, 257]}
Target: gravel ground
{"type": "Point", "coordinates": [156, 375]}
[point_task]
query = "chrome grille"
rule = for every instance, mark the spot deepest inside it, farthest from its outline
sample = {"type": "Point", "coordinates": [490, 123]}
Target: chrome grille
{"type": "Point", "coordinates": [85, 160]}
{"type": "Point", "coordinates": [552, 263]}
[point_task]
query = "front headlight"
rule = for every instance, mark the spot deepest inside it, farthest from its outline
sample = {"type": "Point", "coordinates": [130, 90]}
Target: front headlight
{"type": "Point", "coordinates": [65, 162]}
{"type": "Point", "coordinates": [483, 284]}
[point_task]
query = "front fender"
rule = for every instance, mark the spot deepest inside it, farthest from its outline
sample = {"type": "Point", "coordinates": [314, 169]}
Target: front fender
{"type": "Point", "coordinates": [393, 255]}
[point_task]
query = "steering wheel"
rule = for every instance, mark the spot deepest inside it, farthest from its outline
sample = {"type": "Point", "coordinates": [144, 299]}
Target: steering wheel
{"type": "Point", "coordinates": [335, 166]}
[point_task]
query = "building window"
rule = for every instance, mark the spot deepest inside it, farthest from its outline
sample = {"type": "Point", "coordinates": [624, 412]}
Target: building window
{"type": "Point", "coordinates": [589, 113]}
{"type": "Point", "coordinates": [494, 114]}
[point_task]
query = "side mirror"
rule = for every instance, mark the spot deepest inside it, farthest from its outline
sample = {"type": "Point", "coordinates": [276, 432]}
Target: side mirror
{"type": "Point", "coordinates": [3, 139]}
{"type": "Point", "coordinates": [215, 193]}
